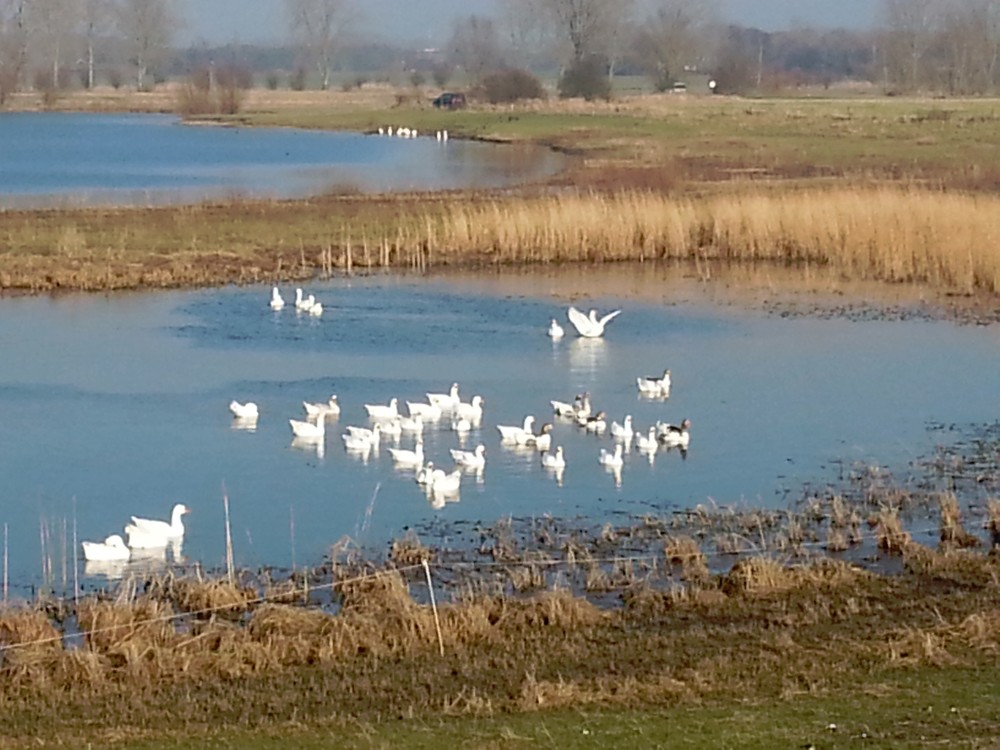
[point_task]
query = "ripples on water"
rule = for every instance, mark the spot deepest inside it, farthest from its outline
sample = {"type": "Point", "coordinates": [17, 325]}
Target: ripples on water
{"type": "Point", "coordinates": [112, 406]}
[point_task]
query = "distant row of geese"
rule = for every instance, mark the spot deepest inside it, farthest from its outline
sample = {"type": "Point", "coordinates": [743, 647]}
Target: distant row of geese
{"type": "Point", "coordinates": [405, 132]}
{"type": "Point", "coordinates": [302, 303]}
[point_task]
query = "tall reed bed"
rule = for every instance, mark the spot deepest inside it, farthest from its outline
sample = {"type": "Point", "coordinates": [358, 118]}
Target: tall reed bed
{"type": "Point", "coordinates": [951, 241]}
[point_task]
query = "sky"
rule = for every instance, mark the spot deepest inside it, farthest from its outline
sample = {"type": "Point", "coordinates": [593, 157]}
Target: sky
{"type": "Point", "coordinates": [251, 21]}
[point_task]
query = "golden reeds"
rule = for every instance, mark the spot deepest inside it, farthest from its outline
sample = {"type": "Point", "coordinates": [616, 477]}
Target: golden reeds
{"type": "Point", "coordinates": [891, 234]}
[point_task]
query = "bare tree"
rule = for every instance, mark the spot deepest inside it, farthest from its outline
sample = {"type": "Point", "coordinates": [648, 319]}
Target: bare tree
{"type": "Point", "coordinates": [13, 45]}
{"type": "Point", "coordinates": [320, 26]}
{"type": "Point", "coordinates": [531, 41]}
{"type": "Point", "coordinates": [586, 24]}
{"type": "Point", "coordinates": [970, 43]}
{"type": "Point", "coordinates": [910, 29]}
{"type": "Point", "coordinates": [475, 46]}
{"type": "Point", "coordinates": [96, 21]}
{"type": "Point", "coordinates": [675, 34]}
{"type": "Point", "coordinates": [147, 27]}
{"type": "Point", "coordinates": [50, 23]}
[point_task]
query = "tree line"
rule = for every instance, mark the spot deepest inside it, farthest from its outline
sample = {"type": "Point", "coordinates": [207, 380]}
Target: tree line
{"type": "Point", "coordinates": [950, 46]}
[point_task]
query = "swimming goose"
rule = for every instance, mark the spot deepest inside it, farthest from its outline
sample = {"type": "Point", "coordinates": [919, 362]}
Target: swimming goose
{"type": "Point", "coordinates": [244, 411]}
{"type": "Point", "coordinates": [444, 401]}
{"type": "Point", "coordinates": [112, 548]}
{"type": "Point", "coordinates": [426, 474]}
{"type": "Point", "coordinates": [428, 412]}
{"type": "Point", "coordinates": [373, 435]}
{"type": "Point", "coordinates": [470, 459]}
{"type": "Point", "coordinates": [315, 410]}
{"type": "Point", "coordinates": [382, 412]}
{"type": "Point", "coordinates": [513, 434]}
{"type": "Point", "coordinates": [674, 436]}
{"type": "Point", "coordinates": [277, 301]}
{"type": "Point", "coordinates": [472, 411]}
{"type": "Point", "coordinates": [461, 425]}
{"type": "Point", "coordinates": [589, 326]}
{"type": "Point", "coordinates": [655, 386]}
{"type": "Point", "coordinates": [554, 460]}
{"type": "Point", "coordinates": [623, 432]}
{"type": "Point", "coordinates": [596, 423]}
{"type": "Point", "coordinates": [555, 330]}
{"type": "Point", "coordinates": [308, 430]}
{"type": "Point", "coordinates": [404, 457]}
{"type": "Point", "coordinates": [301, 303]}
{"type": "Point", "coordinates": [543, 440]}
{"type": "Point", "coordinates": [146, 533]}
{"type": "Point", "coordinates": [446, 484]}
{"type": "Point", "coordinates": [410, 424]}
{"type": "Point", "coordinates": [359, 443]}
{"type": "Point", "coordinates": [315, 308]}
{"type": "Point", "coordinates": [612, 459]}
{"type": "Point", "coordinates": [647, 443]}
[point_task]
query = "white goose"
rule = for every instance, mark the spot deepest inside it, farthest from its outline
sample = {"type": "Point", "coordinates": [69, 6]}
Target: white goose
{"type": "Point", "coordinates": [146, 533]}
{"type": "Point", "coordinates": [277, 301]}
{"type": "Point", "coordinates": [112, 548]}
{"type": "Point", "coordinates": [470, 459]}
{"type": "Point", "coordinates": [514, 434]}
{"type": "Point", "coordinates": [647, 443]}
{"type": "Point", "coordinates": [315, 308]}
{"type": "Point", "coordinates": [473, 411]}
{"type": "Point", "coordinates": [359, 443]}
{"type": "Point", "coordinates": [383, 412]}
{"type": "Point", "coordinates": [315, 410]}
{"type": "Point", "coordinates": [674, 436]}
{"type": "Point", "coordinates": [655, 386]}
{"type": "Point", "coordinates": [373, 435]}
{"type": "Point", "coordinates": [248, 410]}
{"type": "Point", "coordinates": [445, 401]}
{"type": "Point", "coordinates": [613, 460]}
{"type": "Point", "coordinates": [446, 484]}
{"type": "Point", "coordinates": [461, 425]}
{"type": "Point", "coordinates": [308, 430]}
{"type": "Point", "coordinates": [556, 331]}
{"type": "Point", "coordinates": [623, 432]}
{"type": "Point", "coordinates": [426, 474]}
{"type": "Point", "coordinates": [596, 423]}
{"type": "Point", "coordinates": [589, 326]}
{"type": "Point", "coordinates": [301, 303]}
{"type": "Point", "coordinates": [579, 408]}
{"type": "Point", "coordinates": [411, 424]}
{"type": "Point", "coordinates": [543, 440]}
{"type": "Point", "coordinates": [554, 460]}
{"type": "Point", "coordinates": [428, 412]}
{"type": "Point", "coordinates": [404, 457]}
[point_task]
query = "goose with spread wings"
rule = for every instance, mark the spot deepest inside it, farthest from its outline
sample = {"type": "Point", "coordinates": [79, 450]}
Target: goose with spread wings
{"type": "Point", "coordinates": [589, 325]}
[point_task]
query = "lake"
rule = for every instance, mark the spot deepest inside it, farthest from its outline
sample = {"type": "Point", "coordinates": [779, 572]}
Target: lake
{"type": "Point", "coordinates": [75, 159]}
{"type": "Point", "coordinates": [117, 405]}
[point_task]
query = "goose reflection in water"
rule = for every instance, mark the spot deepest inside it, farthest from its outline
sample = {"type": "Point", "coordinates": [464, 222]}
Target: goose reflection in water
{"type": "Point", "coordinates": [247, 424]}
{"type": "Point", "coordinates": [587, 356]}
{"type": "Point", "coordinates": [141, 561]}
{"type": "Point", "coordinates": [309, 446]}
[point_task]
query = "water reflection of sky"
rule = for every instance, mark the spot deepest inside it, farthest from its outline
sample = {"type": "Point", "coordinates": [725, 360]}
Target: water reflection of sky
{"type": "Point", "coordinates": [99, 159]}
{"type": "Point", "coordinates": [117, 405]}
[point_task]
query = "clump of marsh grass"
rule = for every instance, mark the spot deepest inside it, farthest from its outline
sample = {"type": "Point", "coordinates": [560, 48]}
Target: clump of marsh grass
{"type": "Point", "coordinates": [993, 521]}
{"type": "Point", "coordinates": [953, 534]}
{"type": "Point", "coordinates": [889, 534]}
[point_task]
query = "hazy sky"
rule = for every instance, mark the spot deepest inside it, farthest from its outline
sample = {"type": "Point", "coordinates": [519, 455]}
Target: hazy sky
{"type": "Point", "coordinates": [224, 21]}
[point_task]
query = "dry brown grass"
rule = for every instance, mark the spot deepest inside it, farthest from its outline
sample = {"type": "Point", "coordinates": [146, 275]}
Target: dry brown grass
{"type": "Point", "coordinates": [953, 533]}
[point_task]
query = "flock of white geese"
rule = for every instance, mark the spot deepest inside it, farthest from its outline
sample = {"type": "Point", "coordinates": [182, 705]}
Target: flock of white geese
{"type": "Point", "coordinates": [387, 422]}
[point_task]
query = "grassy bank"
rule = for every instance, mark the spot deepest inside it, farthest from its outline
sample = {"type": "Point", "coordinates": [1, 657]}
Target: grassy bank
{"type": "Point", "coordinates": [816, 644]}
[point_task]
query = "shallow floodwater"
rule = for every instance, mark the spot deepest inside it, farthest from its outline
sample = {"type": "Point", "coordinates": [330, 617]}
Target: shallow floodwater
{"type": "Point", "coordinates": [117, 405]}
{"type": "Point", "coordinates": [100, 159]}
